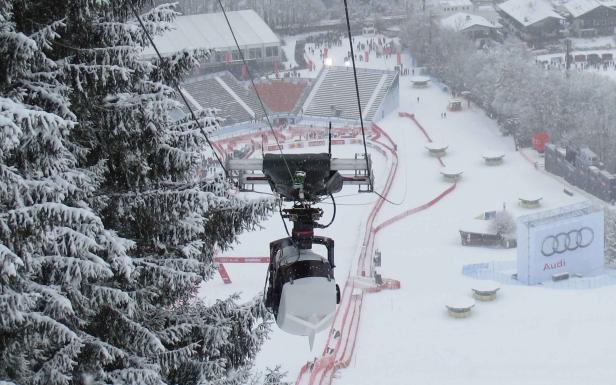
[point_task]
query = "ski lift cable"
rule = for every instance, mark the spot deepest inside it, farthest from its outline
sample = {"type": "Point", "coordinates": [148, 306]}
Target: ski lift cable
{"type": "Point", "coordinates": [286, 229]}
{"type": "Point", "coordinates": [177, 87]}
{"type": "Point", "coordinates": [333, 215]}
{"type": "Point", "coordinates": [252, 82]}
{"type": "Point", "coordinates": [361, 119]}
{"type": "Point", "coordinates": [388, 201]}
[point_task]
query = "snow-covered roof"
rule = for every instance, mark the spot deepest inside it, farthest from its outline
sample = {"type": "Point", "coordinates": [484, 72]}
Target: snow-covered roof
{"type": "Point", "coordinates": [210, 30]}
{"type": "Point", "coordinates": [456, 3]}
{"type": "Point", "coordinates": [485, 286]}
{"type": "Point", "coordinates": [608, 3]}
{"type": "Point", "coordinates": [461, 21]}
{"type": "Point", "coordinates": [493, 154]}
{"type": "Point", "coordinates": [435, 146]}
{"type": "Point", "coordinates": [578, 8]}
{"type": "Point", "coordinates": [529, 12]}
{"type": "Point", "coordinates": [478, 226]}
{"type": "Point", "coordinates": [451, 171]}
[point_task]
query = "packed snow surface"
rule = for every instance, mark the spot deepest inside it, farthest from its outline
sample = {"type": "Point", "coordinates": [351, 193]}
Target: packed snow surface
{"type": "Point", "coordinates": [528, 335]}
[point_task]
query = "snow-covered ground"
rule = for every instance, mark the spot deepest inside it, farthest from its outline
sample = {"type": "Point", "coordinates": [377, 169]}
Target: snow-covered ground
{"type": "Point", "coordinates": [338, 55]}
{"type": "Point", "coordinates": [594, 42]}
{"type": "Point", "coordinates": [529, 335]}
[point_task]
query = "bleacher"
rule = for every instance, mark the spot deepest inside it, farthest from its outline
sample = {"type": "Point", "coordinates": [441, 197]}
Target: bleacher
{"type": "Point", "coordinates": [246, 94]}
{"type": "Point", "coordinates": [282, 95]}
{"type": "Point", "coordinates": [331, 95]}
{"type": "Point", "coordinates": [213, 91]}
{"type": "Point", "coordinates": [334, 95]}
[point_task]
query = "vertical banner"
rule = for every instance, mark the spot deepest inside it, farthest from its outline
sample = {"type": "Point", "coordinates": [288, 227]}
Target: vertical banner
{"type": "Point", "coordinates": [244, 72]}
{"type": "Point", "coordinates": [228, 57]}
{"type": "Point", "coordinates": [367, 56]}
{"type": "Point", "coordinates": [399, 57]}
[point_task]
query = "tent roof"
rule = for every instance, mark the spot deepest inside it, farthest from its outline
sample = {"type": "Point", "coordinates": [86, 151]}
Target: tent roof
{"type": "Point", "coordinates": [210, 30]}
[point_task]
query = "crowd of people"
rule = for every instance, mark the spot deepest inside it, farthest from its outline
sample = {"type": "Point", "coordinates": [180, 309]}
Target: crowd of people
{"type": "Point", "coordinates": [319, 46]}
{"type": "Point", "coordinates": [326, 39]}
{"type": "Point", "coordinates": [579, 66]}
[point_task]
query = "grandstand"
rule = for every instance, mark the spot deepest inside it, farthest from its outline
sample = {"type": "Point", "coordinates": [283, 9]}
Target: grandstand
{"type": "Point", "coordinates": [333, 94]}
{"type": "Point", "coordinates": [284, 95]}
{"type": "Point", "coordinates": [224, 92]}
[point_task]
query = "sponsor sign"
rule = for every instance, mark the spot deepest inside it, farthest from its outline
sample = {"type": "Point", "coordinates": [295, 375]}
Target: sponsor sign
{"type": "Point", "coordinates": [564, 240]}
{"type": "Point", "coordinates": [316, 143]}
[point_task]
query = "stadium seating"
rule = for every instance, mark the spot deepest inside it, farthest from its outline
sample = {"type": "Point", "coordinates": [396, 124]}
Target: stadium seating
{"type": "Point", "coordinates": [247, 95]}
{"type": "Point", "coordinates": [334, 93]}
{"type": "Point", "coordinates": [209, 92]}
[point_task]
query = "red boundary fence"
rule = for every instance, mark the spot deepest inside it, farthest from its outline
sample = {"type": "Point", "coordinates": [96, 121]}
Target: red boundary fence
{"type": "Point", "coordinates": [415, 210]}
{"type": "Point", "coordinates": [340, 346]}
{"type": "Point", "coordinates": [423, 130]}
{"type": "Point", "coordinates": [241, 259]}
{"type": "Point", "coordinates": [224, 274]}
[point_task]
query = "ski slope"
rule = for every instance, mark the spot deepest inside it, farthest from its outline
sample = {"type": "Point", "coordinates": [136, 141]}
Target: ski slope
{"type": "Point", "coordinates": [529, 335]}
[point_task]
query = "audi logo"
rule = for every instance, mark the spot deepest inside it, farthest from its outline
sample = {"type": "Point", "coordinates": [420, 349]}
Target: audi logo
{"type": "Point", "coordinates": [567, 241]}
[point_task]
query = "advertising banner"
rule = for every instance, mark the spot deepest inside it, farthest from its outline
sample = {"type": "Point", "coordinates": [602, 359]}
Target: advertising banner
{"type": "Point", "coordinates": [564, 240]}
{"type": "Point", "coordinates": [317, 143]}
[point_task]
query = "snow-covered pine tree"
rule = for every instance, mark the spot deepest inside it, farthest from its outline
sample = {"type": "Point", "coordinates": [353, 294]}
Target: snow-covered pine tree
{"type": "Point", "coordinates": [275, 377]}
{"type": "Point", "coordinates": [504, 223]}
{"type": "Point", "coordinates": [105, 233]}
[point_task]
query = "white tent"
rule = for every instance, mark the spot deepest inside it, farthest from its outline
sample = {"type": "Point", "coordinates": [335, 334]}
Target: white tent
{"type": "Point", "coordinates": [210, 30]}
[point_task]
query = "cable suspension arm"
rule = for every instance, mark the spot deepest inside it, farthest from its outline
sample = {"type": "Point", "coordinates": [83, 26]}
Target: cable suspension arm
{"type": "Point", "coordinates": [267, 118]}
{"type": "Point", "coordinates": [361, 118]}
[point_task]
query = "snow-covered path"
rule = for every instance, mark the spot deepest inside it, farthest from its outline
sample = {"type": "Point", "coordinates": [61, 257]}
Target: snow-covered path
{"type": "Point", "coordinates": [530, 335]}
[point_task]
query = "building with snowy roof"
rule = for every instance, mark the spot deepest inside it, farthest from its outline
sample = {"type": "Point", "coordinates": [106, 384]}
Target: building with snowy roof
{"type": "Point", "coordinates": [448, 7]}
{"type": "Point", "coordinates": [609, 3]}
{"type": "Point", "coordinates": [474, 26]}
{"type": "Point", "coordinates": [590, 17]}
{"type": "Point", "coordinates": [534, 21]}
{"type": "Point", "coordinates": [210, 31]}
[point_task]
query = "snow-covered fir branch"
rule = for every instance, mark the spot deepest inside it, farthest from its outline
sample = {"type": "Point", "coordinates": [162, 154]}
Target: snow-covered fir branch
{"type": "Point", "coordinates": [105, 232]}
